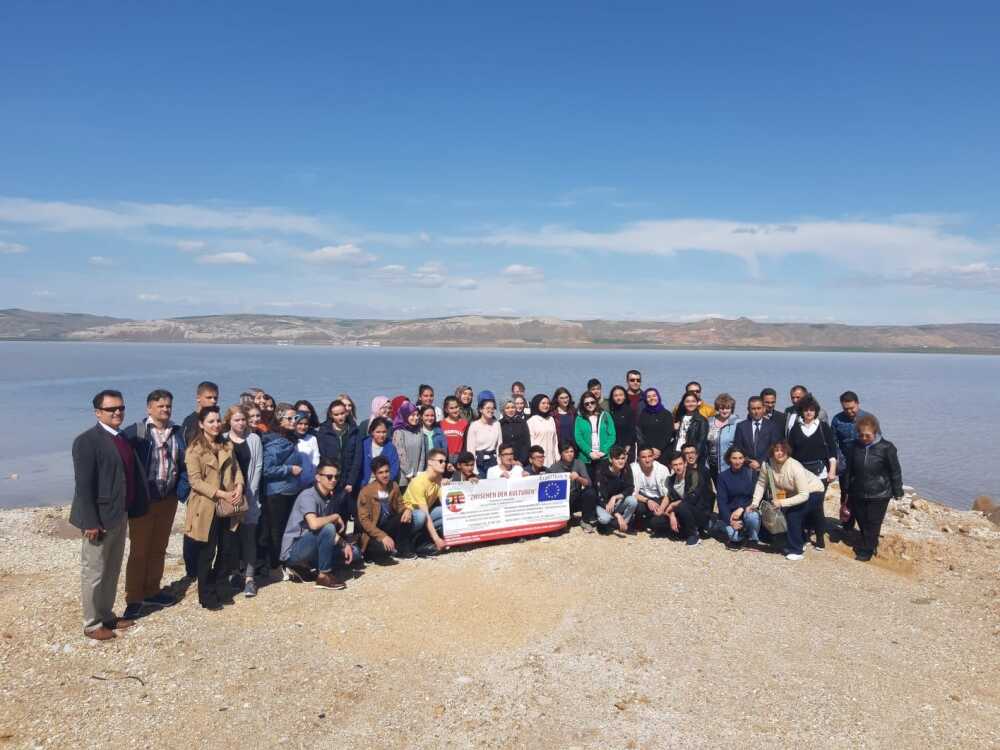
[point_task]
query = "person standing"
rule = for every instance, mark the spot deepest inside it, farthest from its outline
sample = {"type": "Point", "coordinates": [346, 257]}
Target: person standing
{"type": "Point", "coordinates": [215, 478]}
{"type": "Point", "coordinates": [634, 392]}
{"type": "Point", "coordinates": [624, 419]}
{"type": "Point", "coordinates": [873, 477]}
{"type": "Point", "coordinates": [596, 389]}
{"type": "Point", "coordinates": [769, 397]}
{"type": "Point", "coordinates": [109, 487]}
{"type": "Point", "coordinates": [564, 414]}
{"type": "Point", "coordinates": [705, 409]}
{"type": "Point", "coordinates": [845, 431]}
{"type": "Point", "coordinates": [425, 397]}
{"type": "Point", "coordinates": [308, 447]}
{"type": "Point", "coordinates": [240, 546]}
{"type": "Point", "coordinates": [721, 432]}
{"type": "Point", "coordinates": [380, 407]}
{"type": "Point", "coordinates": [410, 444]}
{"type": "Point", "coordinates": [793, 413]}
{"type": "Point", "coordinates": [339, 441]}
{"type": "Point", "coordinates": [656, 426]}
{"type": "Point", "coordinates": [689, 425]}
{"type": "Point", "coordinates": [280, 471]}
{"type": "Point", "coordinates": [813, 445]}
{"type": "Point", "coordinates": [464, 394]}
{"type": "Point", "coordinates": [756, 434]}
{"type": "Point", "coordinates": [594, 432]}
{"type": "Point", "coordinates": [453, 426]}
{"type": "Point", "coordinates": [378, 444]}
{"type": "Point", "coordinates": [159, 444]}
{"type": "Point", "coordinates": [484, 434]}
{"type": "Point", "coordinates": [514, 430]}
{"type": "Point", "coordinates": [542, 427]}
{"type": "Point", "coordinates": [206, 394]}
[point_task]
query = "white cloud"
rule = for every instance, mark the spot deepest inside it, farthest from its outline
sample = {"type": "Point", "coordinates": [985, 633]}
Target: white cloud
{"type": "Point", "coordinates": [466, 284]}
{"type": "Point", "coordinates": [522, 272]}
{"type": "Point", "coordinates": [232, 259]}
{"type": "Point", "coordinates": [190, 246]}
{"type": "Point", "coordinates": [392, 268]}
{"type": "Point", "coordinates": [347, 254]}
{"type": "Point", "coordinates": [100, 260]}
{"type": "Point", "coordinates": [149, 297]}
{"type": "Point", "coordinates": [971, 276]}
{"type": "Point", "coordinates": [12, 248]}
{"type": "Point", "coordinates": [62, 216]}
{"type": "Point", "coordinates": [855, 244]}
{"type": "Point", "coordinates": [434, 266]}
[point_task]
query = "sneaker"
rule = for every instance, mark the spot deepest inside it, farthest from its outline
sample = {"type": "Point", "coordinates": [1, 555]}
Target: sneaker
{"type": "Point", "coordinates": [250, 588]}
{"type": "Point", "coordinates": [162, 599]}
{"type": "Point", "coordinates": [693, 540]}
{"type": "Point", "coordinates": [405, 554]}
{"type": "Point", "coordinates": [734, 546]}
{"type": "Point", "coordinates": [289, 573]}
{"type": "Point", "coordinates": [819, 547]}
{"type": "Point", "coordinates": [329, 582]}
{"type": "Point", "coordinates": [132, 611]}
{"type": "Point", "coordinates": [587, 526]}
{"type": "Point", "coordinates": [794, 556]}
{"type": "Point", "coordinates": [862, 557]}
{"type": "Point", "coordinates": [427, 549]}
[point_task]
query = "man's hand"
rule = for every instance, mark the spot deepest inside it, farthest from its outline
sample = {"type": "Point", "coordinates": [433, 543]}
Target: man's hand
{"type": "Point", "coordinates": [348, 553]}
{"type": "Point", "coordinates": [674, 525]}
{"type": "Point", "coordinates": [574, 476]}
{"type": "Point", "coordinates": [388, 544]}
{"type": "Point", "coordinates": [295, 470]}
{"type": "Point", "coordinates": [91, 535]}
{"type": "Point", "coordinates": [755, 465]}
{"type": "Point", "coordinates": [406, 516]}
{"type": "Point", "coordinates": [337, 521]}
{"type": "Point", "coordinates": [654, 507]}
{"type": "Point", "coordinates": [348, 488]}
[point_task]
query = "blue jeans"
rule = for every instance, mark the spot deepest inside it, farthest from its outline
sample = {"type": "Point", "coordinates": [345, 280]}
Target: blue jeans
{"type": "Point", "coordinates": [750, 530]}
{"type": "Point", "coordinates": [626, 507]}
{"type": "Point", "coordinates": [794, 516]}
{"type": "Point", "coordinates": [317, 548]}
{"type": "Point", "coordinates": [420, 520]}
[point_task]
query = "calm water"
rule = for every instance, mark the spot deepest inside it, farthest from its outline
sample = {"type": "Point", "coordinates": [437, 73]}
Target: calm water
{"type": "Point", "coordinates": [928, 404]}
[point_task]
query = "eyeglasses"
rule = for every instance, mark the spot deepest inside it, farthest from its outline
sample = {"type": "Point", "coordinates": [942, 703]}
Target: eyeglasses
{"type": "Point", "coordinates": [437, 461]}
{"type": "Point", "coordinates": [635, 380]}
{"type": "Point", "coordinates": [288, 416]}
{"type": "Point", "coordinates": [696, 391]}
{"type": "Point", "coordinates": [331, 477]}
{"type": "Point", "coordinates": [589, 403]}
{"type": "Point", "coordinates": [507, 454]}
{"type": "Point", "coordinates": [112, 409]}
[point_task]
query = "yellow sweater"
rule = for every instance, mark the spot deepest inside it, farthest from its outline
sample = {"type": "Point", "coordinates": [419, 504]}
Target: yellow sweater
{"type": "Point", "coordinates": [421, 492]}
{"type": "Point", "coordinates": [792, 477]}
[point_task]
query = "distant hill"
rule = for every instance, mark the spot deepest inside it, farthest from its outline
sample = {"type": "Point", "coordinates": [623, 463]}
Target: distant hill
{"type": "Point", "coordinates": [475, 330]}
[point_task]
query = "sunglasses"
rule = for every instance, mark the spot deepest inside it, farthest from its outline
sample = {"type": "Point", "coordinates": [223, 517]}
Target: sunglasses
{"type": "Point", "coordinates": [112, 409]}
{"type": "Point", "coordinates": [635, 380]}
{"type": "Point", "coordinates": [589, 403]}
{"type": "Point", "coordinates": [331, 477]}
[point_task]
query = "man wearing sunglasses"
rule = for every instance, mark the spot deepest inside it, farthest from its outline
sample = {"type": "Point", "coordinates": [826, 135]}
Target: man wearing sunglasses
{"type": "Point", "coordinates": [633, 391]}
{"type": "Point", "coordinates": [314, 536]}
{"type": "Point", "coordinates": [110, 487]}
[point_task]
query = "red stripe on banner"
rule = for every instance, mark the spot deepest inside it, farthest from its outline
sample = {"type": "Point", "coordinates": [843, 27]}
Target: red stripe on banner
{"type": "Point", "coordinates": [470, 537]}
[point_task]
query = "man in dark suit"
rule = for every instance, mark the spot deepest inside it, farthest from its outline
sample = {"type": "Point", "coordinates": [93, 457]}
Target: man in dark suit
{"type": "Point", "coordinates": [756, 434]}
{"type": "Point", "coordinates": [110, 486]}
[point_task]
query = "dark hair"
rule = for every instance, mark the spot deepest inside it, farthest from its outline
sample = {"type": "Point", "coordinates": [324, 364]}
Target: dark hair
{"type": "Point", "coordinates": [427, 407]}
{"type": "Point", "coordinates": [868, 420]}
{"type": "Point", "coordinates": [158, 395]}
{"type": "Point", "coordinates": [768, 392]}
{"type": "Point", "coordinates": [505, 447]}
{"type": "Point", "coordinates": [387, 423]}
{"type": "Point", "coordinates": [724, 400]}
{"type": "Point", "coordinates": [693, 382]}
{"type": "Point", "coordinates": [643, 447]}
{"type": "Point", "coordinates": [632, 372]}
{"type": "Point", "coordinates": [555, 400]}
{"type": "Point", "coordinates": [423, 387]}
{"type": "Point", "coordinates": [535, 401]}
{"type": "Point", "coordinates": [566, 445]}
{"type": "Point", "coordinates": [535, 450]}
{"type": "Point", "coordinates": [313, 419]}
{"type": "Point", "coordinates": [200, 439]}
{"type": "Point", "coordinates": [755, 398]}
{"type": "Point", "coordinates": [448, 400]}
{"type": "Point", "coordinates": [329, 463]}
{"type": "Point", "coordinates": [588, 395]}
{"type": "Point", "coordinates": [849, 397]}
{"type": "Point", "coordinates": [205, 411]}
{"type": "Point", "coordinates": [618, 451]}
{"type": "Point", "coordinates": [517, 382]}
{"type": "Point", "coordinates": [731, 450]}
{"type": "Point", "coordinates": [798, 388]}
{"type": "Point", "coordinates": [689, 445]}
{"type": "Point", "coordinates": [378, 462]}
{"type": "Point", "coordinates": [465, 457]}
{"type": "Point", "coordinates": [206, 386]}
{"type": "Point", "coordinates": [611, 396]}
{"type": "Point", "coordinates": [336, 402]}
{"type": "Point", "coordinates": [679, 409]}
{"type": "Point", "coordinates": [269, 397]}
{"type": "Point", "coordinates": [674, 456]}
{"type": "Point", "coordinates": [783, 444]}
{"type": "Point", "coordinates": [808, 402]}
{"type": "Point", "coordinates": [107, 393]}
{"type": "Point", "coordinates": [435, 452]}
{"type": "Point", "coordinates": [592, 382]}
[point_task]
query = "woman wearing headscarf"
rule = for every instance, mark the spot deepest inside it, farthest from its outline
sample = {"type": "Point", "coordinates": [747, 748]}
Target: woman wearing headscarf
{"type": "Point", "coordinates": [514, 430]}
{"type": "Point", "coordinates": [396, 402]}
{"type": "Point", "coordinates": [656, 426]}
{"type": "Point", "coordinates": [409, 442]}
{"type": "Point", "coordinates": [464, 395]}
{"type": "Point", "coordinates": [542, 428]}
{"type": "Point", "coordinates": [380, 407]}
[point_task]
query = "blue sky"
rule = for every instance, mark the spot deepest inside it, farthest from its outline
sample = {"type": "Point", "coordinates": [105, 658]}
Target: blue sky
{"type": "Point", "coordinates": [579, 160]}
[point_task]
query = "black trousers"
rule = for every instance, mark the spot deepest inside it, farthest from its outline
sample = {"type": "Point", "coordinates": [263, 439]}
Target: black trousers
{"type": "Point", "coordinates": [870, 514]}
{"type": "Point", "coordinates": [401, 533]}
{"type": "Point", "coordinates": [815, 517]}
{"type": "Point", "coordinates": [209, 562]}
{"type": "Point", "coordinates": [645, 517]}
{"type": "Point", "coordinates": [275, 510]}
{"type": "Point", "coordinates": [690, 519]}
{"type": "Point", "coordinates": [239, 549]}
{"type": "Point", "coordinates": [584, 500]}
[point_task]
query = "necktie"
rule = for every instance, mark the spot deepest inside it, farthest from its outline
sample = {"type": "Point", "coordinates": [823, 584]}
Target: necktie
{"type": "Point", "coordinates": [756, 429]}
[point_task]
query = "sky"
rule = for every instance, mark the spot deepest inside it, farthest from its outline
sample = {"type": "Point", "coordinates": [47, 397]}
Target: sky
{"type": "Point", "coordinates": [578, 160]}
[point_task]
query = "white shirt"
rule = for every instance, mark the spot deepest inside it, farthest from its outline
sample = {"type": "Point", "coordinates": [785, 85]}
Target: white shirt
{"type": "Point", "coordinates": [495, 472]}
{"type": "Point", "coordinates": [112, 430]}
{"type": "Point", "coordinates": [595, 438]}
{"type": "Point", "coordinates": [654, 485]}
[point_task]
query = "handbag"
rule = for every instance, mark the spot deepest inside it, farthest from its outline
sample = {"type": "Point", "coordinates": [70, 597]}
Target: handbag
{"type": "Point", "coordinates": [228, 510]}
{"type": "Point", "coordinates": [770, 514]}
{"type": "Point", "coordinates": [485, 460]}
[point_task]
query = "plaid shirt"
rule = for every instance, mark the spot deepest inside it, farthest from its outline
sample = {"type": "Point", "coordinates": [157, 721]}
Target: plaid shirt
{"type": "Point", "coordinates": [162, 469]}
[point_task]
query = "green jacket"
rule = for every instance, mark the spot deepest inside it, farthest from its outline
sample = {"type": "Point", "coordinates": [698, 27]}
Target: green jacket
{"type": "Point", "coordinates": [605, 433]}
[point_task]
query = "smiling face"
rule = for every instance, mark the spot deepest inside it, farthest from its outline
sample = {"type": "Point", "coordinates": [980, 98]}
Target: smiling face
{"type": "Point", "coordinates": [519, 404]}
{"type": "Point", "coordinates": [111, 412]}
{"type": "Point", "coordinates": [563, 400]}
{"type": "Point", "coordinates": [211, 425]}
{"type": "Point", "coordinates": [428, 418]}
{"type": "Point", "coordinates": [159, 411]}
{"type": "Point", "coordinates": [507, 458]}
{"type": "Point", "coordinates": [544, 406]}
{"type": "Point", "coordinates": [488, 410]}
{"type": "Point", "coordinates": [509, 410]}
{"type": "Point", "coordinates": [756, 409]}
{"type": "Point", "coordinates": [426, 397]}
{"type": "Point", "coordinates": [724, 412]}
{"type": "Point", "coordinates": [537, 460]}
{"type": "Point", "coordinates": [588, 404]}
{"type": "Point", "coordinates": [413, 419]}
{"type": "Point", "coordinates": [618, 462]}
{"type": "Point", "coordinates": [851, 408]}
{"type": "Point", "coordinates": [253, 418]}
{"type": "Point", "coordinates": [736, 460]}
{"type": "Point", "coordinates": [302, 424]}
{"type": "Point", "coordinates": [690, 403]}
{"type": "Point", "coordinates": [380, 434]}
{"type": "Point", "coordinates": [651, 398]}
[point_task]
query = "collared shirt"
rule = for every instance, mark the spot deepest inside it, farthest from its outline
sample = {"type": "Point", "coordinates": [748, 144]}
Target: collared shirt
{"type": "Point", "coordinates": [308, 501]}
{"type": "Point", "coordinates": [112, 430]}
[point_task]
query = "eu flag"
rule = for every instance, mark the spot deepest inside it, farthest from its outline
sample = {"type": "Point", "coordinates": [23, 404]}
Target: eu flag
{"type": "Point", "coordinates": [553, 489]}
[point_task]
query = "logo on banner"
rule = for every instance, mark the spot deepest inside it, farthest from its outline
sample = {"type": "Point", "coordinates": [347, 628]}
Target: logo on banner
{"type": "Point", "coordinates": [454, 500]}
{"type": "Point", "coordinates": [552, 489]}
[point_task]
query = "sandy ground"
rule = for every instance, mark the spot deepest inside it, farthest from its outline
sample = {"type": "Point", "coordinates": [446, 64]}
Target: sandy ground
{"type": "Point", "coordinates": [571, 641]}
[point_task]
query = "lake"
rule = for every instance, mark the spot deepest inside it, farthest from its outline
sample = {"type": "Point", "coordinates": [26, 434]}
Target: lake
{"type": "Point", "coordinates": [928, 403]}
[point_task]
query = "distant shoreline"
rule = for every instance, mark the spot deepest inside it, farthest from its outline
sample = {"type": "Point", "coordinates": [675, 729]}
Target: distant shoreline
{"type": "Point", "coordinates": [646, 346]}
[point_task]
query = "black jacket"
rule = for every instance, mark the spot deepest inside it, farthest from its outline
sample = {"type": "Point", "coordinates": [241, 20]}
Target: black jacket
{"type": "Point", "coordinates": [625, 432]}
{"type": "Point", "coordinates": [345, 449]}
{"type": "Point", "coordinates": [770, 433]}
{"type": "Point", "coordinates": [873, 471]}
{"type": "Point", "coordinates": [697, 492]}
{"type": "Point", "coordinates": [610, 483]}
{"type": "Point", "coordinates": [100, 482]}
{"type": "Point", "coordinates": [657, 431]}
{"type": "Point", "coordinates": [697, 433]}
{"type": "Point", "coordinates": [514, 430]}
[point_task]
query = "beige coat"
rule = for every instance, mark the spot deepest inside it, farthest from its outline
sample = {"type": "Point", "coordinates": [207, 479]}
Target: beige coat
{"type": "Point", "coordinates": [208, 471]}
{"type": "Point", "coordinates": [794, 478]}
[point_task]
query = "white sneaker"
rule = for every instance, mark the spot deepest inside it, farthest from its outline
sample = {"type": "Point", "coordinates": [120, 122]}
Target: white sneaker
{"type": "Point", "coordinates": [793, 556]}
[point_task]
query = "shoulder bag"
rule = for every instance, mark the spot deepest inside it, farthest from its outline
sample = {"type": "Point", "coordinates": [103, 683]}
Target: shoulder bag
{"type": "Point", "coordinates": [770, 514]}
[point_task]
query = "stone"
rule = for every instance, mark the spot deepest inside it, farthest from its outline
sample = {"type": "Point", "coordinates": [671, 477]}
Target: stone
{"type": "Point", "coordinates": [994, 516]}
{"type": "Point", "coordinates": [984, 504]}
{"type": "Point", "coordinates": [920, 504]}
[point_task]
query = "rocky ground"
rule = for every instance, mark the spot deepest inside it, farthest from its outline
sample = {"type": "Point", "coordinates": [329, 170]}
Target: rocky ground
{"type": "Point", "coordinates": [571, 641]}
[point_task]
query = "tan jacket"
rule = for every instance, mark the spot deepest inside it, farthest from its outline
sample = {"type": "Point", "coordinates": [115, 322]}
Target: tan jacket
{"type": "Point", "coordinates": [208, 471]}
{"type": "Point", "coordinates": [794, 478]}
{"type": "Point", "coordinates": [370, 511]}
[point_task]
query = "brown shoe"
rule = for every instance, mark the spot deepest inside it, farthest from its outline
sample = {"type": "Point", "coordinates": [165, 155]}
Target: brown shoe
{"type": "Point", "coordinates": [100, 634]}
{"type": "Point", "coordinates": [329, 582]}
{"type": "Point", "coordinates": [122, 624]}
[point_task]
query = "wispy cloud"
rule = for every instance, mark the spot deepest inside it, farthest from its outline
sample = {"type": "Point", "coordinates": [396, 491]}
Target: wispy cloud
{"type": "Point", "coordinates": [516, 272]}
{"type": "Point", "coordinates": [970, 276]}
{"type": "Point", "coordinates": [100, 260]}
{"type": "Point", "coordinates": [12, 248]}
{"type": "Point", "coordinates": [226, 259]}
{"type": "Point", "coordinates": [347, 254]}
{"type": "Point", "coordinates": [190, 246]}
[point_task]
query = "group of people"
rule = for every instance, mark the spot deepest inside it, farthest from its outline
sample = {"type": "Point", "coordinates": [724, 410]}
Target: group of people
{"type": "Point", "coordinates": [271, 490]}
